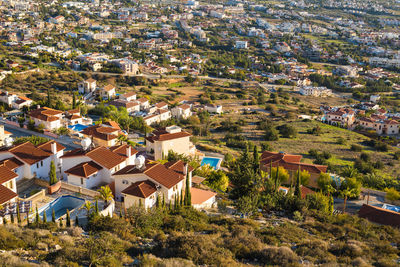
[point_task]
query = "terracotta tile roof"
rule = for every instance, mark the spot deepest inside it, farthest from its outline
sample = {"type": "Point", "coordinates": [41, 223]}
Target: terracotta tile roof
{"type": "Point", "coordinates": [142, 189]}
{"type": "Point", "coordinates": [380, 215]}
{"type": "Point", "coordinates": [90, 80]}
{"type": "Point", "coordinates": [101, 132]}
{"type": "Point", "coordinates": [113, 124]}
{"type": "Point", "coordinates": [178, 166]}
{"type": "Point", "coordinates": [121, 149]}
{"type": "Point", "coordinates": [7, 132]}
{"type": "Point", "coordinates": [108, 87]}
{"type": "Point", "coordinates": [45, 114]}
{"type": "Point", "coordinates": [306, 191]}
{"type": "Point", "coordinates": [161, 105]}
{"type": "Point", "coordinates": [6, 174]}
{"type": "Point", "coordinates": [47, 146]}
{"type": "Point", "coordinates": [73, 111]}
{"type": "Point", "coordinates": [6, 194]}
{"type": "Point", "coordinates": [101, 155]}
{"type": "Point", "coordinates": [184, 106]}
{"type": "Point", "coordinates": [11, 163]}
{"type": "Point", "coordinates": [25, 98]}
{"type": "Point", "coordinates": [156, 171]}
{"type": "Point", "coordinates": [289, 162]}
{"type": "Point", "coordinates": [28, 153]}
{"type": "Point", "coordinates": [105, 157]}
{"type": "Point", "coordinates": [143, 100]}
{"type": "Point", "coordinates": [129, 94]}
{"type": "Point", "coordinates": [200, 196]}
{"type": "Point", "coordinates": [84, 169]}
{"type": "Point", "coordinates": [163, 135]}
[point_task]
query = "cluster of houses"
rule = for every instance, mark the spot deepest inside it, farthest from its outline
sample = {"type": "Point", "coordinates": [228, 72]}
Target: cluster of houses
{"type": "Point", "coordinates": [380, 121]}
{"type": "Point", "coordinates": [14, 101]}
{"type": "Point", "coordinates": [133, 178]}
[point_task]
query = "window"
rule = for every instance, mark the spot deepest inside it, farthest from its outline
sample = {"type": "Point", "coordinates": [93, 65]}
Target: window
{"type": "Point", "coordinates": [81, 180]}
{"type": "Point", "coordinates": [37, 165]}
{"type": "Point", "coordinates": [41, 163]}
{"type": "Point", "coordinates": [125, 182]}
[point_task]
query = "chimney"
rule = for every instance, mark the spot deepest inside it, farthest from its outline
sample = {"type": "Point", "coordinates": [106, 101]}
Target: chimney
{"type": "Point", "coordinates": [128, 151]}
{"type": "Point", "coordinates": [54, 148]}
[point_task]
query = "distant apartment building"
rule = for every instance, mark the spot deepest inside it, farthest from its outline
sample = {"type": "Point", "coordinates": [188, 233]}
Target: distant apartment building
{"type": "Point", "coordinates": [241, 45]}
{"type": "Point", "coordinates": [315, 91]}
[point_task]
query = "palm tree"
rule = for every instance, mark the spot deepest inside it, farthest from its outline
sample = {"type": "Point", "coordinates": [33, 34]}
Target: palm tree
{"type": "Point", "coordinates": [105, 194]}
{"type": "Point", "coordinates": [345, 194]}
{"type": "Point", "coordinates": [87, 206]}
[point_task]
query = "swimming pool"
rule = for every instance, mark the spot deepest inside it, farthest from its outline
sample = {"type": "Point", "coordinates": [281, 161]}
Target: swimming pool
{"type": "Point", "coordinates": [60, 206]}
{"type": "Point", "coordinates": [391, 207]}
{"type": "Point", "coordinates": [213, 162]}
{"type": "Point", "coordinates": [77, 127]}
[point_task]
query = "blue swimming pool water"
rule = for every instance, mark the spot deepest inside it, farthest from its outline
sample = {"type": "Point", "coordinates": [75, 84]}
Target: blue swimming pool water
{"type": "Point", "coordinates": [78, 127]}
{"type": "Point", "coordinates": [213, 162]}
{"type": "Point", "coordinates": [391, 207]}
{"type": "Point", "coordinates": [60, 206]}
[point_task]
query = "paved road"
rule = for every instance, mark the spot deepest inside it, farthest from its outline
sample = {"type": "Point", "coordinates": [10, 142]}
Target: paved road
{"type": "Point", "coordinates": [19, 132]}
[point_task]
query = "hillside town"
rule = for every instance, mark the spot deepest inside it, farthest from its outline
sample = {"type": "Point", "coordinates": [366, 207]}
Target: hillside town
{"type": "Point", "coordinates": [200, 133]}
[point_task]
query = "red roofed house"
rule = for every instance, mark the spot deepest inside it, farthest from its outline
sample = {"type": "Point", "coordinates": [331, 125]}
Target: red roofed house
{"type": "Point", "coordinates": [182, 111]}
{"type": "Point", "coordinates": [28, 160]}
{"type": "Point", "coordinates": [144, 180]}
{"type": "Point", "coordinates": [291, 163]}
{"type": "Point", "coordinates": [50, 118]}
{"type": "Point", "coordinates": [90, 167]}
{"type": "Point", "coordinates": [342, 117]}
{"type": "Point", "coordinates": [160, 142]}
{"type": "Point", "coordinates": [8, 188]}
{"type": "Point", "coordinates": [107, 91]}
{"type": "Point", "coordinates": [102, 135]}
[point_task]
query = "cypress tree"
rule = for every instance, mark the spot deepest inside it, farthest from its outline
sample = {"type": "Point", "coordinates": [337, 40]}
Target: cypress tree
{"type": "Point", "coordinates": [52, 173]}
{"type": "Point", "coordinates": [163, 201]}
{"type": "Point", "coordinates": [68, 219]}
{"type": "Point", "coordinates": [73, 100]}
{"type": "Point", "coordinates": [175, 201]}
{"type": "Point", "coordinates": [276, 177]}
{"type": "Point", "coordinates": [44, 217]}
{"type": "Point", "coordinates": [76, 220]}
{"type": "Point", "coordinates": [61, 222]}
{"type": "Point", "coordinates": [169, 205]}
{"type": "Point", "coordinates": [297, 191]}
{"type": "Point", "coordinates": [37, 216]}
{"type": "Point", "coordinates": [181, 198]}
{"type": "Point", "coordinates": [188, 196]}
{"type": "Point", "coordinates": [140, 203]}
{"type": "Point", "coordinates": [18, 214]}
{"type": "Point", "coordinates": [12, 218]}
{"type": "Point", "coordinates": [4, 221]}
{"type": "Point", "coordinates": [28, 221]}
{"type": "Point", "coordinates": [53, 216]}
{"type": "Point", "coordinates": [96, 207]}
{"type": "Point", "coordinates": [256, 160]}
{"type": "Point", "coordinates": [158, 201]}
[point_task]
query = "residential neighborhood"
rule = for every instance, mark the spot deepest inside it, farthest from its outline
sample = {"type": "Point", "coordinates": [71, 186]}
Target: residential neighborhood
{"type": "Point", "coordinates": [200, 133]}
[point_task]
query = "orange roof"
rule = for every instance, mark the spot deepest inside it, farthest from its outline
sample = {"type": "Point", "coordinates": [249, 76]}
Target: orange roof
{"type": "Point", "coordinates": [25, 98]}
{"type": "Point", "coordinates": [142, 189]}
{"type": "Point", "coordinates": [163, 135]}
{"type": "Point", "coordinates": [28, 153]}
{"type": "Point", "coordinates": [11, 163]}
{"type": "Point", "coordinates": [101, 132]}
{"type": "Point", "coordinates": [84, 169]}
{"type": "Point", "coordinates": [101, 155]}
{"type": "Point", "coordinates": [200, 196]}
{"type": "Point", "coordinates": [121, 149]}
{"type": "Point", "coordinates": [113, 124]}
{"type": "Point", "coordinates": [178, 166]}
{"type": "Point", "coordinates": [7, 132]}
{"type": "Point", "coordinates": [289, 162]}
{"type": "Point", "coordinates": [156, 171]}
{"type": "Point", "coordinates": [6, 174]}
{"type": "Point", "coordinates": [47, 146]}
{"type": "Point", "coordinates": [108, 87]}
{"type": "Point", "coordinates": [6, 194]}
